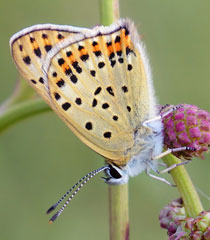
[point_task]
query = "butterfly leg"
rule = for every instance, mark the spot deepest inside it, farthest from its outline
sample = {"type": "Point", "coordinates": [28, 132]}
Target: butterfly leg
{"type": "Point", "coordinates": [168, 169]}
{"type": "Point", "coordinates": [161, 164]}
{"type": "Point", "coordinates": [165, 165]}
{"type": "Point", "coordinates": [161, 116]}
{"type": "Point", "coordinates": [159, 178]}
{"type": "Point", "coordinates": [171, 151]}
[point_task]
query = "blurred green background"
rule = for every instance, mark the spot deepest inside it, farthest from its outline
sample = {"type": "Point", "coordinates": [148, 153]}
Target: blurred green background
{"type": "Point", "coordinates": [40, 158]}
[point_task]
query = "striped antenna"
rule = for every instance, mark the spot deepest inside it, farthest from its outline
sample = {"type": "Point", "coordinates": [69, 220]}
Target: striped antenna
{"type": "Point", "coordinates": [79, 185]}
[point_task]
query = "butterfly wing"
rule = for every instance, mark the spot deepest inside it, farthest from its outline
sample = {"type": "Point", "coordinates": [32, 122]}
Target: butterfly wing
{"type": "Point", "coordinates": [97, 80]}
{"type": "Point", "coordinates": [29, 48]}
{"type": "Point", "coordinates": [99, 83]}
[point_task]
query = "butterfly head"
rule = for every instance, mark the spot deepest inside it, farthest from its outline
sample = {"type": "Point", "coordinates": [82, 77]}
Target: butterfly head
{"type": "Point", "coordinates": [115, 175]}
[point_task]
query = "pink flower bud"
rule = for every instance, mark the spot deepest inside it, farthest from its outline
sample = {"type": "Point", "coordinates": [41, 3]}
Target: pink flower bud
{"type": "Point", "coordinates": [187, 126]}
{"type": "Point", "coordinates": [179, 227]}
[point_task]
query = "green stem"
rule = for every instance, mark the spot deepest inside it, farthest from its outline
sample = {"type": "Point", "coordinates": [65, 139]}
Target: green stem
{"type": "Point", "coordinates": [109, 11]}
{"type": "Point", "coordinates": [185, 186]}
{"type": "Point", "coordinates": [21, 111]}
{"type": "Point", "coordinates": [118, 194]}
{"type": "Point", "coordinates": [118, 212]}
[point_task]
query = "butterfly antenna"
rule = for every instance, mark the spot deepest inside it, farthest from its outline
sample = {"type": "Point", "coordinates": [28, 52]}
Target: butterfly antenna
{"type": "Point", "coordinates": [67, 193]}
{"type": "Point", "coordinates": [81, 183]}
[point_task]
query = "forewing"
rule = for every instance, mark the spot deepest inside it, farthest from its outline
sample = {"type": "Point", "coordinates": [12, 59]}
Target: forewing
{"type": "Point", "coordinates": [98, 84]}
{"type": "Point", "coordinates": [29, 48]}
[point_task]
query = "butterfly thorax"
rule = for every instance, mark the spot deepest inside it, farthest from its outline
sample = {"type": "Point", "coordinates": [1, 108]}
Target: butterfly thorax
{"type": "Point", "coordinates": [147, 144]}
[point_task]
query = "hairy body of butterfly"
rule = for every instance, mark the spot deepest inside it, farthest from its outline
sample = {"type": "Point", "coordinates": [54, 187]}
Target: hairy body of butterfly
{"type": "Point", "coordinates": [99, 82]}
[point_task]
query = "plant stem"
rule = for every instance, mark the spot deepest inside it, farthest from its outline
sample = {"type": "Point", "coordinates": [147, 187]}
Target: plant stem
{"type": "Point", "coordinates": [118, 212]}
{"type": "Point", "coordinates": [109, 11]}
{"type": "Point", "coordinates": [184, 184]}
{"type": "Point", "coordinates": [21, 111]}
{"type": "Point", "coordinates": [118, 194]}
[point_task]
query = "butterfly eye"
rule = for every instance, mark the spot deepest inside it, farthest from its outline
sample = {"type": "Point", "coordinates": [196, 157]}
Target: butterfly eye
{"type": "Point", "coordinates": [114, 173]}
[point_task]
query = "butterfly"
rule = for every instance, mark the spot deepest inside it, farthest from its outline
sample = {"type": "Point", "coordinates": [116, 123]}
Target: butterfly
{"type": "Point", "coordinates": [99, 83]}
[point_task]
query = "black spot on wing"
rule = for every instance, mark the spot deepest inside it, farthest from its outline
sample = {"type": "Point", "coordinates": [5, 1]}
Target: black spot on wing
{"type": "Point", "coordinates": [111, 55]}
{"type": "Point", "coordinates": [125, 89]}
{"type": "Point", "coordinates": [107, 134]}
{"type": "Point", "coordinates": [113, 62]}
{"type": "Point", "coordinates": [94, 43]}
{"type": "Point", "coordinates": [73, 78]}
{"type": "Point", "coordinates": [66, 106]}
{"type": "Point", "coordinates": [130, 67]}
{"type": "Point", "coordinates": [105, 105]}
{"type": "Point", "coordinates": [78, 101]}
{"type": "Point", "coordinates": [27, 60]}
{"type": "Point", "coordinates": [126, 32]}
{"type": "Point", "coordinates": [80, 47]}
{"type": "Point", "coordinates": [68, 54]}
{"type": "Point", "coordinates": [97, 91]}
{"type": "Point", "coordinates": [93, 73]}
{"type": "Point", "coordinates": [129, 51]}
{"type": "Point", "coordinates": [97, 53]}
{"type": "Point", "coordinates": [60, 83]}
{"type": "Point", "coordinates": [48, 47]}
{"type": "Point", "coordinates": [120, 60]}
{"type": "Point", "coordinates": [89, 126]}
{"type": "Point", "coordinates": [115, 118]}
{"type": "Point", "coordinates": [37, 52]}
{"type": "Point", "coordinates": [119, 53]}
{"type": "Point", "coordinates": [21, 47]}
{"type": "Point", "coordinates": [110, 91]}
{"type": "Point", "coordinates": [32, 39]}
{"type": "Point", "coordinates": [68, 71]}
{"type": "Point", "coordinates": [60, 36]}
{"type": "Point", "coordinates": [101, 64]}
{"type": "Point", "coordinates": [61, 61]}
{"type": "Point", "coordinates": [41, 80]}
{"type": "Point", "coordinates": [94, 103]}
{"type": "Point", "coordinates": [84, 57]}
{"type": "Point", "coordinates": [77, 67]}
{"type": "Point", "coordinates": [57, 96]}
{"type": "Point", "coordinates": [44, 36]}
{"type": "Point", "coordinates": [54, 74]}
{"type": "Point", "coordinates": [117, 39]}
{"type": "Point", "coordinates": [33, 81]}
